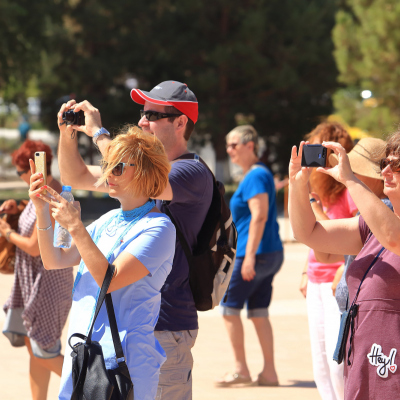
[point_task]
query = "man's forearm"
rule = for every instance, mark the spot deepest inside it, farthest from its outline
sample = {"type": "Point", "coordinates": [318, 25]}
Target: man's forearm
{"type": "Point", "coordinates": [70, 161]}
{"type": "Point", "coordinates": [74, 171]}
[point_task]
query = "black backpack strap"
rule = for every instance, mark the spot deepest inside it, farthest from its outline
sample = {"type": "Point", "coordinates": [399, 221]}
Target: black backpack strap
{"type": "Point", "coordinates": [180, 236]}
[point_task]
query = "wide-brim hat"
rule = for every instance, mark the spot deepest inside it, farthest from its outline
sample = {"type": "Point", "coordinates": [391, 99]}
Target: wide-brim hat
{"type": "Point", "coordinates": [170, 93]}
{"type": "Point", "coordinates": [364, 157]}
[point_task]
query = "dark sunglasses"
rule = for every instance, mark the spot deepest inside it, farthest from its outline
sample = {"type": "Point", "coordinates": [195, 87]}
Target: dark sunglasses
{"type": "Point", "coordinates": [20, 173]}
{"type": "Point", "coordinates": [394, 164]}
{"type": "Point", "coordinates": [118, 170]}
{"type": "Point", "coordinates": [155, 115]}
{"type": "Point", "coordinates": [233, 145]}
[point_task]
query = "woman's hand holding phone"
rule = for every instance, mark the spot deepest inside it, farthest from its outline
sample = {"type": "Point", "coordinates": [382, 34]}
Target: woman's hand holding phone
{"type": "Point", "coordinates": [36, 187]}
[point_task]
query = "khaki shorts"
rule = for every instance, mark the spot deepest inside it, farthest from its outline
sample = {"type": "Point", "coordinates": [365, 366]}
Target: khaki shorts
{"type": "Point", "coordinates": [176, 373]}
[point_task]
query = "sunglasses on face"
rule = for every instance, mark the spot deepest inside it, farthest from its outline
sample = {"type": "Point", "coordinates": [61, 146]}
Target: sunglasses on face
{"type": "Point", "coordinates": [20, 173]}
{"type": "Point", "coordinates": [155, 115]}
{"type": "Point", "coordinates": [394, 164]}
{"type": "Point", "coordinates": [233, 145]}
{"type": "Point", "coordinates": [118, 170]}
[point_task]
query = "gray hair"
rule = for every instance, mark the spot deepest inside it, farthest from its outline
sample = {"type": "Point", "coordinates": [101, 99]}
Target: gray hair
{"type": "Point", "coordinates": [245, 133]}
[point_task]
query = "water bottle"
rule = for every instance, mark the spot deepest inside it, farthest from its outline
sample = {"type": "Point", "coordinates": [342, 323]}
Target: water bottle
{"type": "Point", "coordinates": [62, 238]}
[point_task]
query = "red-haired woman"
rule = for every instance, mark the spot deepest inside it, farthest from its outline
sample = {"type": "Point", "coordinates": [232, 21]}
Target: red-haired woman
{"type": "Point", "coordinates": [40, 300]}
{"type": "Point", "coordinates": [329, 200]}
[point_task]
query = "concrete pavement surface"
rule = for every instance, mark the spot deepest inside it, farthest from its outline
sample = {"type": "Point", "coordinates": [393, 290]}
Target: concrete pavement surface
{"type": "Point", "coordinates": [212, 352]}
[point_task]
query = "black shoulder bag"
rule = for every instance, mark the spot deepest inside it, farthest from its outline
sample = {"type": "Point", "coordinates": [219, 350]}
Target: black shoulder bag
{"type": "Point", "coordinates": [90, 378]}
{"type": "Point", "coordinates": [347, 321]}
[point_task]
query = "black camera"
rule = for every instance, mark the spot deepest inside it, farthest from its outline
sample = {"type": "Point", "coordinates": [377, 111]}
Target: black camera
{"type": "Point", "coordinates": [74, 118]}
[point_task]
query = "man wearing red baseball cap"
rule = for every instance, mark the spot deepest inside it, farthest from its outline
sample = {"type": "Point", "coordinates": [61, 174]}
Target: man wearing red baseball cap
{"type": "Point", "coordinates": [170, 111]}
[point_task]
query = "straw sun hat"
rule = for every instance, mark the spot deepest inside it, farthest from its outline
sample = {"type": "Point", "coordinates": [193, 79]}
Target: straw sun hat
{"type": "Point", "coordinates": [364, 157]}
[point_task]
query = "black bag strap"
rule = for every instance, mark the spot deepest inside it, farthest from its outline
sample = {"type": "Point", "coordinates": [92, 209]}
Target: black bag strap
{"type": "Point", "coordinates": [119, 353]}
{"type": "Point", "coordinates": [103, 291]}
{"type": "Point", "coordinates": [111, 317]}
{"type": "Point", "coordinates": [354, 307]}
{"type": "Point", "coordinates": [366, 272]}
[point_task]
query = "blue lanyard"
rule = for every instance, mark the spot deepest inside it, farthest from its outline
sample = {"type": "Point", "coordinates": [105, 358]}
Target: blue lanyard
{"type": "Point", "coordinates": [130, 218]}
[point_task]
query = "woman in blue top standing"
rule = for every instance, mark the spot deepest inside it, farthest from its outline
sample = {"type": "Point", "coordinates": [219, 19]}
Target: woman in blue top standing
{"type": "Point", "coordinates": [259, 257]}
{"type": "Point", "coordinates": [136, 238]}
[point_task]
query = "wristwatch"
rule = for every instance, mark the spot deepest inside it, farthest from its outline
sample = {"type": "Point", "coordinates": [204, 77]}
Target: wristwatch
{"type": "Point", "coordinates": [101, 131]}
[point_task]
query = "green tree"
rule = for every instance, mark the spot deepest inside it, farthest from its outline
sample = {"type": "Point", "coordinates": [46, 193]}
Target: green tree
{"type": "Point", "coordinates": [269, 61]}
{"type": "Point", "coordinates": [26, 32]}
{"type": "Point", "coordinates": [367, 42]}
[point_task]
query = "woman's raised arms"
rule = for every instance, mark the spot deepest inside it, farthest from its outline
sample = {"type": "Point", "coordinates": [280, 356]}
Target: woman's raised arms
{"type": "Point", "coordinates": [331, 236]}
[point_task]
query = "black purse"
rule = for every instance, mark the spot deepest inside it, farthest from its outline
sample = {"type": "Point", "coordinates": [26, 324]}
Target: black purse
{"type": "Point", "coordinates": [347, 322]}
{"type": "Point", "coordinates": [90, 378]}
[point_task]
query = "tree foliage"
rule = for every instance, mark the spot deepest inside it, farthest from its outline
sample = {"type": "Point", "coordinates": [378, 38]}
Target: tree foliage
{"type": "Point", "coordinates": [367, 41]}
{"type": "Point", "coordinates": [267, 60]}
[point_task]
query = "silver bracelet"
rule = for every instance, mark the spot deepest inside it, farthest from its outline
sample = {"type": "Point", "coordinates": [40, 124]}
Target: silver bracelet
{"type": "Point", "coordinates": [43, 229]}
{"type": "Point", "coordinates": [8, 233]}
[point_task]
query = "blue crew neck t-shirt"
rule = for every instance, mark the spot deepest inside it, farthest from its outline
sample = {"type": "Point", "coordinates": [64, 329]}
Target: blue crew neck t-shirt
{"type": "Point", "coordinates": [192, 186]}
{"type": "Point", "coordinates": [151, 240]}
{"type": "Point", "coordinates": [258, 180]}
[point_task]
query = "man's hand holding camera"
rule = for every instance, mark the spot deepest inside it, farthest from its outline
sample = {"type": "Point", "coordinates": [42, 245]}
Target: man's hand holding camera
{"type": "Point", "coordinates": [70, 118]}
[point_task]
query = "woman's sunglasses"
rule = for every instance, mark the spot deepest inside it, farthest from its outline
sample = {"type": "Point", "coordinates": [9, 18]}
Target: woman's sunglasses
{"type": "Point", "coordinates": [118, 170]}
{"type": "Point", "coordinates": [394, 164]}
{"type": "Point", "coordinates": [155, 115]}
{"type": "Point", "coordinates": [229, 145]}
{"type": "Point", "coordinates": [20, 173]}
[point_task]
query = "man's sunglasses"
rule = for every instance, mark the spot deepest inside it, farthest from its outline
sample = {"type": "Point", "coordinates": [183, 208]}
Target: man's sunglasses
{"type": "Point", "coordinates": [155, 115]}
{"type": "Point", "coordinates": [20, 173]}
{"type": "Point", "coordinates": [394, 164]}
{"type": "Point", "coordinates": [118, 170]}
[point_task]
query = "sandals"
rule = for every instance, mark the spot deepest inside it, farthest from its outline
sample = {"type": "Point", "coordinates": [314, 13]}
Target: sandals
{"type": "Point", "coordinates": [261, 381]}
{"type": "Point", "coordinates": [234, 379]}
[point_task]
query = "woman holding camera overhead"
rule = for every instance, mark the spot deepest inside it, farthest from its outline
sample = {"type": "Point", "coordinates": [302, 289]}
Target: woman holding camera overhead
{"type": "Point", "coordinates": [328, 200]}
{"type": "Point", "coordinates": [40, 300]}
{"type": "Point", "coordinates": [136, 238]}
{"type": "Point", "coordinates": [371, 359]}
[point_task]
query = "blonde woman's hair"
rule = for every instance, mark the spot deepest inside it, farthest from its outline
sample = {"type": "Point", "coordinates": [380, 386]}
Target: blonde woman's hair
{"type": "Point", "coordinates": [246, 134]}
{"type": "Point", "coordinates": [146, 152]}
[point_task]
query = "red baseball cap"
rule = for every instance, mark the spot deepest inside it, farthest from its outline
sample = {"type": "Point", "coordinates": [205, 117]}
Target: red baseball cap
{"type": "Point", "coordinates": [170, 93]}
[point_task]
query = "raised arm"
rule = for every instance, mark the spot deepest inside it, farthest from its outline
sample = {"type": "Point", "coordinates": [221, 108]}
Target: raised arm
{"type": "Point", "coordinates": [331, 236]}
{"type": "Point", "coordinates": [128, 269]}
{"type": "Point", "coordinates": [52, 258]}
{"type": "Point", "coordinates": [316, 206]}
{"type": "Point", "coordinates": [74, 171]}
{"type": "Point", "coordinates": [379, 218]}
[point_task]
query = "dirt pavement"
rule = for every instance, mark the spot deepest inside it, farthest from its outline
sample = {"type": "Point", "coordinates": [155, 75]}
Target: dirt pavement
{"type": "Point", "coordinates": [212, 353]}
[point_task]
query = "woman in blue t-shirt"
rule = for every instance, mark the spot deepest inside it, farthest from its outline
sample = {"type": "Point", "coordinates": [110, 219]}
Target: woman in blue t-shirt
{"type": "Point", "coordinates": [136, 238]}
{"type": "Point", "coordinates": [259, 257]}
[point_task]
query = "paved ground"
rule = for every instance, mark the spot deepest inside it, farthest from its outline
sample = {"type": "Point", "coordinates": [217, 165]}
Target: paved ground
{"type": "Point", "coordinates": [213, 356]}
